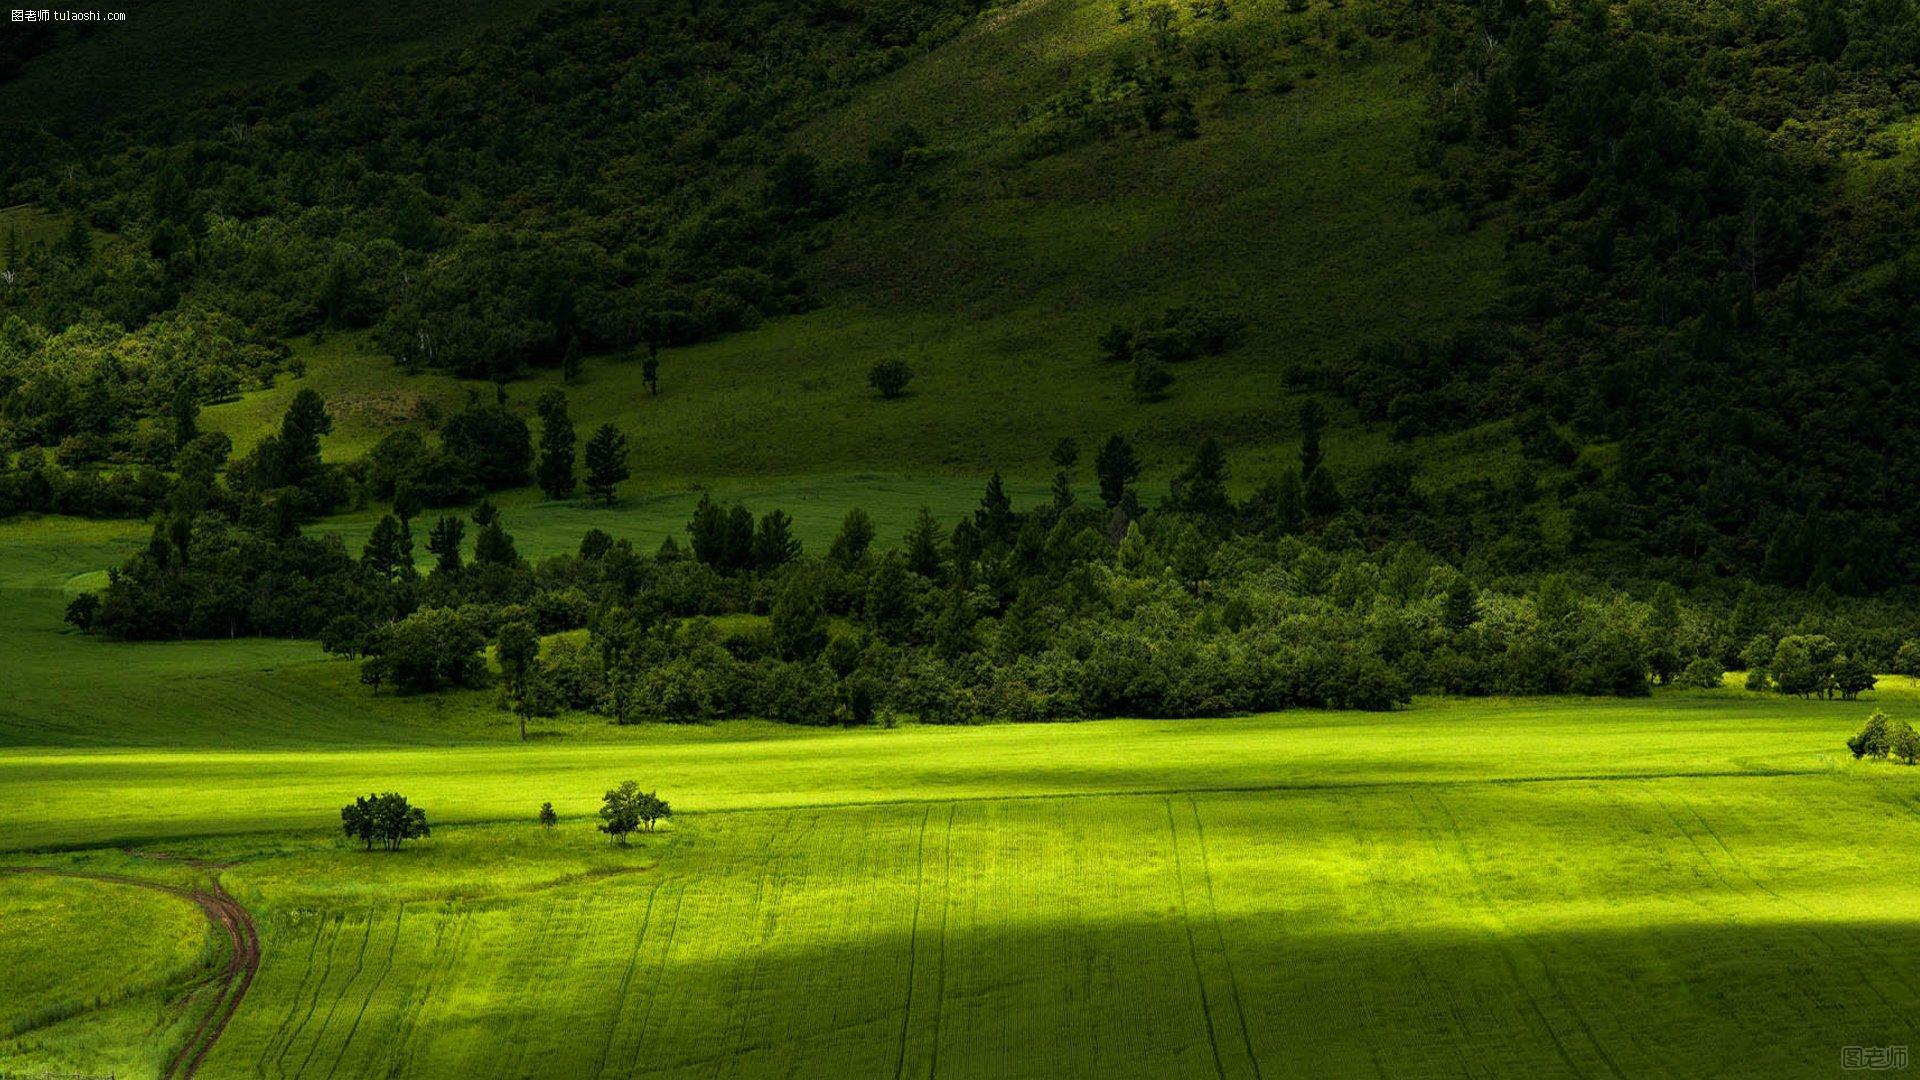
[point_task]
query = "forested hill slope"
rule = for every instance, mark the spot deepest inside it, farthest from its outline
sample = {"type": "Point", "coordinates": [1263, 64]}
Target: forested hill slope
{"type": "Point", "coordinates": [167, 53]}
{"type": "Point", "coordinates": [1629, 286]}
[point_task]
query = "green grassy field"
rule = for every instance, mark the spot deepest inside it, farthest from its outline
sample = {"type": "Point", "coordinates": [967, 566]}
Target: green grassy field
{"type": "Point", "coordinates": [1452, 889]}
{"type": "Point", "coordinates": [1456, 888]}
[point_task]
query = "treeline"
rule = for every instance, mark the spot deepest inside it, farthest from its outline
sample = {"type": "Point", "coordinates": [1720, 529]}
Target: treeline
{"type": "Point", "coordinates": [1204, 604]}
{"type": "Point", "coordinates": [1712, 233]}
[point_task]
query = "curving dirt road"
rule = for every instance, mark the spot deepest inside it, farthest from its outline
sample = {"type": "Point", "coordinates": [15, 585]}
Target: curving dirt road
{"type": "Point", "coordinates": [243, 958]}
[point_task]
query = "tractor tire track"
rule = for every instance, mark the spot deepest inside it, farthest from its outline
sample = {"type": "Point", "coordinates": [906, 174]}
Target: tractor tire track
{"type": "Point", "coordinates": [940, 983]}
{"type": "Point", "coordinates": [313, 1002]}
{"type": "Point", "coordinates": [1233, 981]}
{"type": "Point", "coordinates": [359, 965]}
{"type": "Point", "coordinates": [386, 969]}
{"type": "Point", "coordinates": [293, 1000]}
{"type": "Point", "coordinates": [626, 979]}
{"type": "Point", "coordinates": [765, 904]}
{"type": "Point", "coordinates": [449, 931]}
{"type": "Point", "coordinates": [1193, 945]}
{"type": "Point", "coordinates": [243, 960]}
{"type": "Point", "coordinates": [659, 977]}
{"type": "Point", "coordinates": [913, 943]}
{"type": "Point", "coordinates": [1546, 970]}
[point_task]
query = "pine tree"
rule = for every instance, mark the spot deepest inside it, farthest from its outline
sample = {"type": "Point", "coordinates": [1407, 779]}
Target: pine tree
{"type": "Point", "coordinates": [78, 242]}
{"type": "Point", "coordinates": [1202, 487]}
{"type": "Point", "coordinates": [995, 519]}
{"type": "Point", "coordinates": [739, 545]}
{"type": "Point", "coordinates": [381, 555]}
{"type": "Point", "coordinates": [186, 414]}
{"type": "Point", "coordinates": [1289, 505]}
{"type": "Point", "coordinates": [494, 546]}
{"type": "Point", "coordinates": [854, 539]}
{"type": "Point", "coordinates": [1117, 467]}
{"type": "Point", "coordinates": [556, 446]}
{"type": "Point", "coordinates": [1062, 492]}
{"type": "Point", "coordinates": [924, 543]}
{"type": "Point", "coordinates": [571, 363]}
{"type": "Point", "coordinates": [606, 462]}
{"type": "Point", "coordinates": [443, 543]}
{"type": "Point", "coordinates": [774, 544]}
{"type": "Point", "coordinates": [1313, 420]}
{"type": "Point", "coordinates": [890, 600]}
{"type": "Point", "coordinates": [1320, 495]}
{"type": "Point", "coordinates": [708, 531]}
{"type": "Point", "coordinates": [799, 619]}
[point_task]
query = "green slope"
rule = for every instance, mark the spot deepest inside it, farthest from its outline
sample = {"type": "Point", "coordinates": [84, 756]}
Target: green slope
{"type": "Point", "coordinates": [1291, 210]}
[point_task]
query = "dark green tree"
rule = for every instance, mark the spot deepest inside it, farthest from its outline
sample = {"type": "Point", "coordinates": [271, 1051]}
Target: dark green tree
{"type": "Point", "coordinates": [387, 819]}
{"type": "Point", "coordinates": [606, 462]}
{"type": "Point", "coordinates": [620, 811]}
{"type": "Point", "coordinates": [799, 619]}
{"type": "Point", "coordinates": [890, 378]}
{"type": "Point", "coordinates": [1118, 467]}
{"type": "Point", "coordinates": [926, 543]}
{"type": "Point", "coordinates": [1313, 421]}
{"type": "Point", "coordinates": [774, 544]}
{"type": "Point", "coordinates": [995, 518]}
{"type": "Point", "coordinates": [555, 470]}
{"type": "Point", "coordinates": [443, 543]}
{"type": "Point", "coordinates": [1201, 488]}
{"type": "Point", "coordinates": [518, 651]}
{"type": "Point", "coordinates": [854, 539]}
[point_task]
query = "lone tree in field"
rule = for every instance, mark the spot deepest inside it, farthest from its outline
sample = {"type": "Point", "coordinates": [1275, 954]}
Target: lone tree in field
{"type": "Point", "coordinates": [620, 811]}
{"type": "Point", "coordinates": [890, 377]}
{"type": "Point", "coordinates": [650, 371]}
{"type": "Point", "coordinates": [386, 819]}
{"type": "Point", "coordinates": [606, 462]}
{"type": "Point", "coordinates": [547, 817]}
{"type": "Point", "coordinates": [1875, 739]}
{"type": "Point", "coordinates": [626, 809]}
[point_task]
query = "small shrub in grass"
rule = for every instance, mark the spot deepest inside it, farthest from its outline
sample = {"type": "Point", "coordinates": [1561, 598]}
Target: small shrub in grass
{"type": "Point", "coordinates": [890, 378]}
{"type": "Point", "coordinates": [547, 817]}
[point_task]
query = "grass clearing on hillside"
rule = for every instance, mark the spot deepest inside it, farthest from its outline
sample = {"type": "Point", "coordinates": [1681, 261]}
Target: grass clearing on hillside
{"type": "Point", "coordinates": [995, 289]}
